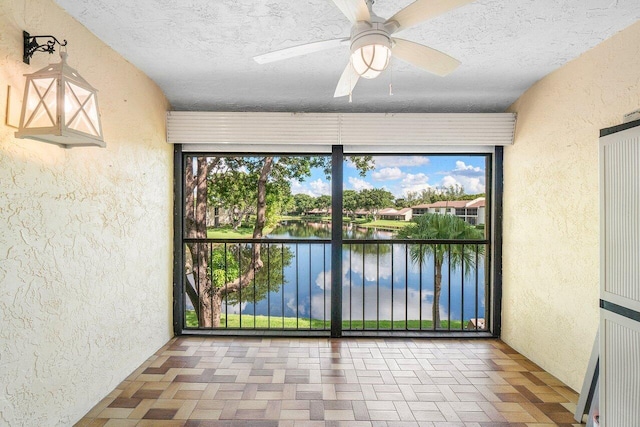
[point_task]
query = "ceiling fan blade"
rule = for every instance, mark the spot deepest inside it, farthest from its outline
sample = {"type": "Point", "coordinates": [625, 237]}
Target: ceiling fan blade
{"type": "Point", "coordinates": [347, 81]}
{"type": "Point", "coordinates": [424, 57]}
{"type": "Point", "coordinates": [421, 10]}
{"type": "Point", "coordinates": [354, 10]}
{"type": "Point", "coordinates": [303, 49]}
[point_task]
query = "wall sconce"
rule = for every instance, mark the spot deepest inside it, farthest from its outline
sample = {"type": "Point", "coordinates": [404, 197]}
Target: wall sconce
{"type": "Point", "coordinates": [59, 106]}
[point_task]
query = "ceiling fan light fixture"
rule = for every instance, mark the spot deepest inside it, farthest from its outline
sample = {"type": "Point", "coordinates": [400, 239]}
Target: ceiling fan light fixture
{"type": "Point", "coordinates": [370, 60]}
{"type": "Point", "coordinates": [370, 48]}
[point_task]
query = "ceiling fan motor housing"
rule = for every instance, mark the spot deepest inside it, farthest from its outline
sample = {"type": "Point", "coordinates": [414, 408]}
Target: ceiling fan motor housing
{"type": "Point", "coordinates": [370, 47]}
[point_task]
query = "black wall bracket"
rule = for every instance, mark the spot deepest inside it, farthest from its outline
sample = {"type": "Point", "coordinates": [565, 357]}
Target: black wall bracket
{"type": "Point", "coordinates": [32, 45]}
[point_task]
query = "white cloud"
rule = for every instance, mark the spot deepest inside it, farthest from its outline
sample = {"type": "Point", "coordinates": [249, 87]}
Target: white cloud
{"type": "Point", "coordinates": [320, 306]}
{"type": "Point", "coordinates": [400, 161]}
{"type": "Point", "coordinates": [314, 188]}
{"type": "Point", "coordinates": [471, 178]}
{"type": "Point", "coordinates": [415, 189]}
{"type": "Point", "coordinates": [355, 300]}
{"type": "Point", "coordinates": [359, 184]}
{"type": "Point", "coordinates": [467, 170]}
{"type": "Point", "coordinates": [471, 185]}
{"type": "Point", "coordinates": [320, 187]}
{"type": "Point", "coordinates": [414, 179]}
{"type": "Point", "coordinates": [387, 174]}
{"type": "Point", "coordinates": [298, 188]}
{"type": "Point", "coordinates": [414, 183]}
{"type": "Point", "coordinates": [372, 269]}
{"type": "Point", "coordinates": [323, 280]}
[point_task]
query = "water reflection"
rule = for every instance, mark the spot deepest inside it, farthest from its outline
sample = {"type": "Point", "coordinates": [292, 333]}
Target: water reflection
{"type": "Point", "coordinates": [380, 282]}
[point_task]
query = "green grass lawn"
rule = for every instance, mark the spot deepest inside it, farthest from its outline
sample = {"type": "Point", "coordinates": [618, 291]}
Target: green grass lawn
{"type": "Point", "coordinates": [263, 322]}
{"type": "Point", "coordinates": [386, 223]}
{"type": "Point", "coordinates": [259, 322]}
{"type": "Point", "coordinates": [359, 220]}
{"type": "Point", "coordinates": [227, 232]}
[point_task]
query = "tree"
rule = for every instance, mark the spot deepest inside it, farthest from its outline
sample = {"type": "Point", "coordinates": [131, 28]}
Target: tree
{"type": "Point", "coordinates": [323, 202]}
{"type": "Point", "coordinates": [304, 230]}
{"type": "Point", "coordinates": [238, 255]}
{"type": "Point", "coordinates": [375, 199]}
{"type": "Point", "coordinates": [350, 202]}
{"type": "Point", "coordinates": [279, 200]}
{"type": "Point", "coordinates": [303, 203]}
{"type": "Point", "coordinates": [235, 191]}
{"type": "Point", "coordinates": [402, 203]}
{"type": "Point", "coordinates": [442, 227]}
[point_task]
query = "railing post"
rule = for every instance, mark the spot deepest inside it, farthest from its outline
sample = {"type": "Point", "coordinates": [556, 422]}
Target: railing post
{"type": "Point", "coordinates": [336, 240]}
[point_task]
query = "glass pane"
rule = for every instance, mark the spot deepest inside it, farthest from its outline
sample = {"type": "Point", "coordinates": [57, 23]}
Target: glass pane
{"type": "Point", "coordinates": [71, 105]}
{"type": "Point", "coordinates": [80, 110]}
{"type": "Point", "coordinates": [81, 94]}
{"type": "Point", "coordinates": [251, 264]}
{"type": "Point", "coordinates": [81, 123]}
{"type": "Point", "coordinates": [41, 104]}
{"type": "Point", "coordinates": [91, 110]}
{"type": "Point", "coordinates": [404, 281]}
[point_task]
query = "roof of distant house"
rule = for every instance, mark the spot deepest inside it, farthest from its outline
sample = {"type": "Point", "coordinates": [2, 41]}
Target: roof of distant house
{"type": "Point", "coordinates": [393, 211]}
{"type": "Point", "coordinates": [476, 203]}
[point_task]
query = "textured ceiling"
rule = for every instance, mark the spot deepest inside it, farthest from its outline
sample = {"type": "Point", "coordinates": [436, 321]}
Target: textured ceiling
{"type": "Point", "coordinates": [200, 51]}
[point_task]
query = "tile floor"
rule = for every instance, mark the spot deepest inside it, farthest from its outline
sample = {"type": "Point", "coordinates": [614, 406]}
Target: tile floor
{"type": "Point", "coordinates": [273, 382]}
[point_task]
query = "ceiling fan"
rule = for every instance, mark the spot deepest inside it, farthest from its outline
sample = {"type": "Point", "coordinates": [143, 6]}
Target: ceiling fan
{"type": "Point", "coordinates": [371, 43]}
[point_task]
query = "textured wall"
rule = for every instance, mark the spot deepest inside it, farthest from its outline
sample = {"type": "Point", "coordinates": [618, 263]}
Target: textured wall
{"type": "Point", "coordinates": [551, 227]}
{"type": "Point", "coordinates": [85, 240]}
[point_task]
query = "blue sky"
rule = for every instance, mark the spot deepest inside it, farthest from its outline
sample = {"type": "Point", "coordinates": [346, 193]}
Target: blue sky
{"type": "Point", "coordinates": [401, 174]}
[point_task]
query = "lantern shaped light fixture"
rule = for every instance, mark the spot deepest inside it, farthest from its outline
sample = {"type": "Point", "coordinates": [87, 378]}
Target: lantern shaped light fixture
{"type": "Point", "coordinates": [60, 107]}
{"type": "Point", "coordinates": [370, 47]}
{"type": "Point", "coordinates": [370, 60]}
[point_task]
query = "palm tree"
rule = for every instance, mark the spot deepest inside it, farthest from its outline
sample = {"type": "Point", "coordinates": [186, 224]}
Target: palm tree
{"type": "Point", "coordinates": [443, 227]}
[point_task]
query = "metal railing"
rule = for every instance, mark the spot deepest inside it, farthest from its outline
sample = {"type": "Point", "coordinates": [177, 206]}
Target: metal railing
{"type": "Point", "coordinates": [257, 284]}
{"type": "Point", "coordinates": [390, 285]}
{"type": "Point", "coordinates": [285, 284]}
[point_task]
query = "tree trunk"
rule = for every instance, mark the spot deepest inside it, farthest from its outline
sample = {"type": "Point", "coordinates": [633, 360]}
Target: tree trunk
{"type": "Point", "coordinates": [189, 202]}
{"type": "Point", "coordinates": [196, 228]}
{"type": "Point", "coordinates": [436, 295]}
{"type": "Point", "coordinates": [256, 262]}
{"type": "Point", "coordinates": [261, 212]}
{"type": "Point", "coordinates": [216, 308]}
{"type": "Point", "coordinates": [204, 280]}
{"type": "Point", "coordinates": [203, 283]}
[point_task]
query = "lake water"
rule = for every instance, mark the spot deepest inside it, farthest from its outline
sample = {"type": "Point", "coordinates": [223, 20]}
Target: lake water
{"type": "Point", "coordinates": [378, 281]}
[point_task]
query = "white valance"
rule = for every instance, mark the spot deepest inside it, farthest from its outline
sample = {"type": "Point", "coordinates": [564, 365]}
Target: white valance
{"type": "Point", "coordinates": [317, 132]}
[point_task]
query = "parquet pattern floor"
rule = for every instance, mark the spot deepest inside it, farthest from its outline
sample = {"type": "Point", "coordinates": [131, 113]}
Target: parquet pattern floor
{"type": "Point", "coordinates": [317, 382]}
